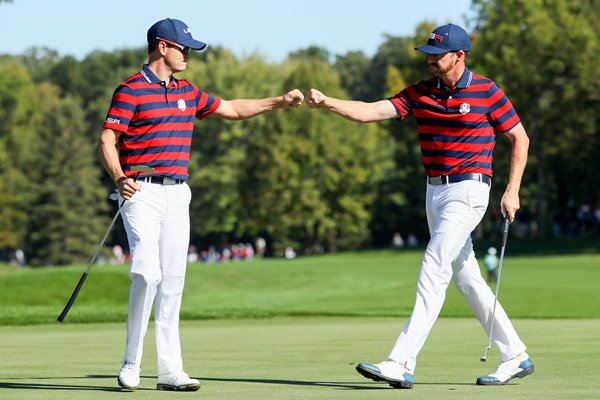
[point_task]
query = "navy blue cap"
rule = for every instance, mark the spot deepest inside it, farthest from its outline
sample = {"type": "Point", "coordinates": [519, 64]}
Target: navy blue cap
{"type": "Point", "coordinates": [446, 38]}
{"type": "Point", "coordinates": [173, 30]}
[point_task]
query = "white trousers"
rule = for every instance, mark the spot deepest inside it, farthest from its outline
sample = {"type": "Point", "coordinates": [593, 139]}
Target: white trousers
{"type": "Point", "coordinates": [156, 220]}
{"type": "Point", "coordinates": [453, 212]}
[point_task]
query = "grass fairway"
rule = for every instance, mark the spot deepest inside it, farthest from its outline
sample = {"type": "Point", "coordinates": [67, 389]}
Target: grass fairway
{"type": "Point", "coordinates": [297, 358]}
{"type": "Point", "coordinates": [320, 316]}
{"type": "Point", "coordinates": [370, 283]}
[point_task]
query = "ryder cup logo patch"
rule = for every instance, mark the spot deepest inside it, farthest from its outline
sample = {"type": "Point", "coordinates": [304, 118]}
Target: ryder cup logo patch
{"type": "Point", "coordinates": [434, 37]}
{"type": "Point", "coordinates": [464, 108]}
{"type": "Point", "coordinates": [181, 104]}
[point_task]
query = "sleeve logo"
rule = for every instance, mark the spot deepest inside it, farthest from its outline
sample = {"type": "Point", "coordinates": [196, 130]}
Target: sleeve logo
{"type": "Point", "coordinates": [115, 121]}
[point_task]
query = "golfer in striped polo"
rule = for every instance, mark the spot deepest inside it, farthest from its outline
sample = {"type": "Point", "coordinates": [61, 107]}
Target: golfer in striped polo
{"type": "Point", "coordinates": [458, 115]}
{"type": "Point", "coordinates": [150, 122]}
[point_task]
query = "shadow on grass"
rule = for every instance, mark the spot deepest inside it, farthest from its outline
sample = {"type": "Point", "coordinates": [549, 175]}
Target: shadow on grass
{"type": "Point", "coordinates": [337, 385]}
{"type": "Point", "coordinates": [14, 384]}
{"type": "Point", "coordinates": [48, 386]}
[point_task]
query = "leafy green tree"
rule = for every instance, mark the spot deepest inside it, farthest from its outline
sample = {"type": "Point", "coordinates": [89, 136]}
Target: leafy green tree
{"type": "Point", "coordinates": [10, 218]}
{"type": "Point", "coordinates": [311, 53]}
{"type": "Point", "coordinates": [399, 206]}
{"type": "Point", "coordinates": [353, 69]}
{"type": "Point", "coordinates": [220, 147]}
{"type": "Point", "coordinates": [544, 54]}
{"type": "Point", "coordinates": [18, 109]}
{"type": "Point", "coordinates": [311, 176]}
{"type": "Point", "coordinates": [66, 213]}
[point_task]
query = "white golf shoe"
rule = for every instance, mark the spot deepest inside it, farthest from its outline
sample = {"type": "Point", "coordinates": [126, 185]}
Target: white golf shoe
{"type": "Point", "coordinates": [518, 367]}
{"type": "Point", "coordinates": [179, 381]}
{"type": "Point", "coordinates": [391, 372]}
{"type": "Point", "coordinates": [129, 376]}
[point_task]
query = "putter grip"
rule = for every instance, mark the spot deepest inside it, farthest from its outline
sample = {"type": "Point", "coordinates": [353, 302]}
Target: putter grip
{"type": "Point", "coordinates": [505, 231]}
{"type": "Point", "coordinates": [64, 313]}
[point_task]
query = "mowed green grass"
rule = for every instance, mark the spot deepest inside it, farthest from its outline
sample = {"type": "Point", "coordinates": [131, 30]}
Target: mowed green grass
{"type": "Point", "coordinates": [370, 283]}
{"type": "Point", "coordinates": [298, 358]}
{"type": "Point", "coordinates": [279, 329]}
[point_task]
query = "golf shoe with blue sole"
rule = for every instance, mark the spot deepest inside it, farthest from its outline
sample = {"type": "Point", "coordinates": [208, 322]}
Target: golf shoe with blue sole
{"type": "Point", "coordinates": [389, 371]}
{"type": "Point", "coordinates": [515, 368]}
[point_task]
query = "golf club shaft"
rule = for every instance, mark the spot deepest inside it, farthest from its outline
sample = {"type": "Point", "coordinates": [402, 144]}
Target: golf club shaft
{"type": "Point", "coordinates": [504, 237]}
{"type": "Point", "coordinates": [69, 304]}
{"type": "Point", "coordinates": [75, 293]}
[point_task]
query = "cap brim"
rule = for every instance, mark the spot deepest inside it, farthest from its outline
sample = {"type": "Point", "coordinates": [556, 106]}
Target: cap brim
{"type": "Point", "coordinates": [431, 49]}
{"type": "Point", "coordinates": [194, 44]}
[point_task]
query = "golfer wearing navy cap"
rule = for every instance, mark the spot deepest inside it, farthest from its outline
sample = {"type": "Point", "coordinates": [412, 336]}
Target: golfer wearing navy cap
{"type": "Point", "coordinates": [150, 123]}
{"type": "Point", "coordinates": [458, 115]}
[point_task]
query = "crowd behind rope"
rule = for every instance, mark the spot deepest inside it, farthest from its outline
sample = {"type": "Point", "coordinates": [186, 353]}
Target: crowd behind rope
{"type": "Point", "coordinates": [573, 222]}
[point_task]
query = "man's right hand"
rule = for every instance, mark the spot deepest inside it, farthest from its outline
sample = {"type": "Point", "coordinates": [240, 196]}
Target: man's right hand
{"type": "Point", "coordinates": [128, 187]}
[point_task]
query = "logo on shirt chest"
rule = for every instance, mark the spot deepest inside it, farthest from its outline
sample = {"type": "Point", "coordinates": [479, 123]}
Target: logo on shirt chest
{"type": "Point", "coordinates": [464, 108]}
{"type": "Point", "coordinates": [182, 106]}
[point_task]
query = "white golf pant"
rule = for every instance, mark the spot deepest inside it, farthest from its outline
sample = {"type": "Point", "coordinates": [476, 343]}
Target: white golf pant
{"type": "Point", "coordinates": [453, 212]}
{"type": "Point", "coordinates": [157, 223]}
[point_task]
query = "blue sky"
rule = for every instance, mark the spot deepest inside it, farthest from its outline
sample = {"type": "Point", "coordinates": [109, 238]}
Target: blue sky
{"type": "Point", "coordinates": [271, 27]}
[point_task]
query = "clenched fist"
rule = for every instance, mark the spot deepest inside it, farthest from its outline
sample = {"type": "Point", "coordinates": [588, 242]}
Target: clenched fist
{"type": "Point", "coordinates": [315, 99]}
{"type": "Point", "coordinates": [292, 99]}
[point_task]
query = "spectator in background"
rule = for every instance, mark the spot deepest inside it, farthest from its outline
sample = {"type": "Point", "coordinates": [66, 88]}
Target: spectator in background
{"type": "Point", "coordinates": [249, 252]}
{"type": "Point", "coordinates": [118, 254]}
{"type": "Point", "coordinates": [289, 253]}
{"type": "Point", "coordinates": [397, 241]}
{"type": "Point", "coordinates": [261, 247]}
{"type": "Point", "coordinates": [412, 240]}
{"type": "Point", "coordinates": [192, 254]}
{"type": "Point", "coordinates": [20, 257]}
{"type": "Point", "coordinates": [490, 260]}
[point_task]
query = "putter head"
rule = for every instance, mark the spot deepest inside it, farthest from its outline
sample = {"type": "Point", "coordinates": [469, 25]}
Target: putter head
{"type": "Point", "coordinates": [143, 169]}
{"type": "Point", "coordinates": [484, 356]}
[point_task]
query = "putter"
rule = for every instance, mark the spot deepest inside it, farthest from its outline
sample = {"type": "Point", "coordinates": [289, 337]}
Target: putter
{"type": "Point", "coordinates": [504, 236]}
{"type": "Point", "coordinates": [61, 318]}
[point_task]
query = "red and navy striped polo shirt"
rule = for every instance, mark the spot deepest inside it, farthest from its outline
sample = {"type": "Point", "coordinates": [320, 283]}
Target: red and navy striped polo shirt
{"type": "Point", "coordinates": [156, 122]}
{"type": "Point", "coordinates": [457, 128]}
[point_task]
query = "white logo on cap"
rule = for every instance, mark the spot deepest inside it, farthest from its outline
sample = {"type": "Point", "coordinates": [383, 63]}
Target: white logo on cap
{"type": "Point", "coordinates": [187, 30]}
{"type": "Point", "coordinates": [464, 108]}
{"type": "Point", "coordinates": [181, 104]}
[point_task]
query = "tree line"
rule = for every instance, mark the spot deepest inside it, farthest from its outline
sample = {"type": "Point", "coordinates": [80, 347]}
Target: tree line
{"type": "Point", "coordinates": [301, 178]}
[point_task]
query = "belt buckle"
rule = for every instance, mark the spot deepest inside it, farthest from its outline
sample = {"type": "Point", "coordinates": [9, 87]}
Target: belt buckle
{"type": "Point", "coordinates": [168, 181]}
{"type": "Point", "coordinates": [435, 180]}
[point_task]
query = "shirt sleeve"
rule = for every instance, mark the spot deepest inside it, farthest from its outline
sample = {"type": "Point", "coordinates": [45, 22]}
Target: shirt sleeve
{"type": "Point", "coordinates": [402, 103]}
{"type": "Point", "coordinates": [502, 113]}
{"type": "Point", "coordinates": [121, 109]}
{"type": "Point", "coordinates": [207, 104]}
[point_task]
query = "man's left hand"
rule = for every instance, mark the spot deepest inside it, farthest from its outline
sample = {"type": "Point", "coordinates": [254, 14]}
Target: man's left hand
{"type": "Point", "coordinates": [509, 205]}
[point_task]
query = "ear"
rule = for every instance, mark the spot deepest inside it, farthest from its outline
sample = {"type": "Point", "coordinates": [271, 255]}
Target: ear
{"type": "Point", "coordinates": [162, 48]}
